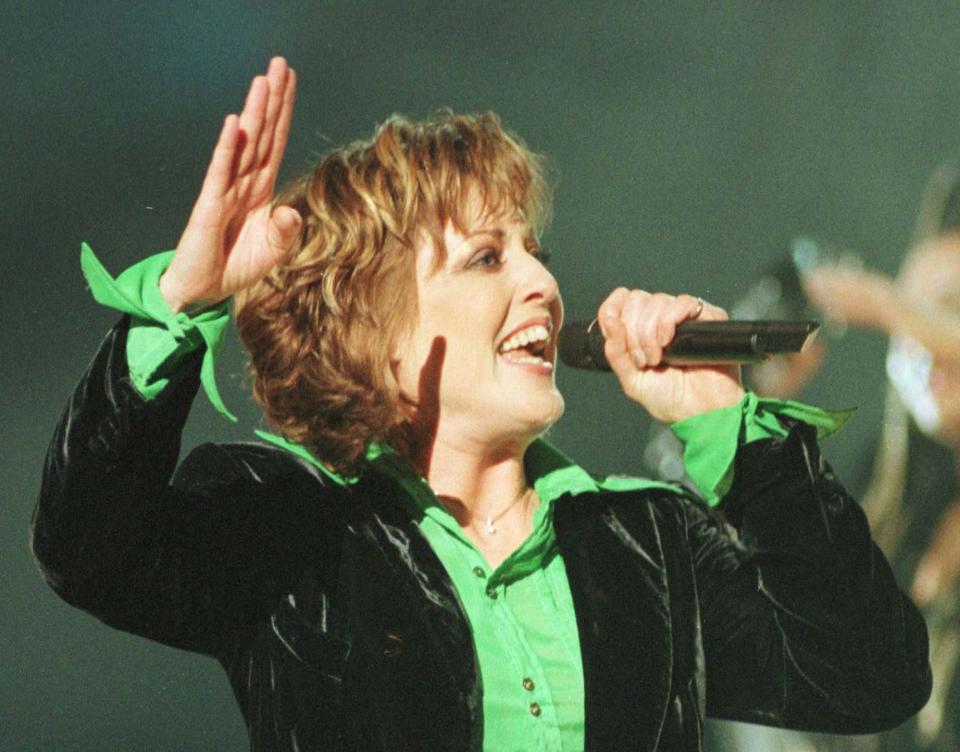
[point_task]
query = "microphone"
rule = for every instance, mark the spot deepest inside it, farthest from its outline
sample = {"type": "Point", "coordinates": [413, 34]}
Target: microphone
{"type": "Point", "coordinates": [580, 343]}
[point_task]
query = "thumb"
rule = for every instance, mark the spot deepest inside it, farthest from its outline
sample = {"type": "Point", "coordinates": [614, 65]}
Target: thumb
{"type": "Point", "coordinates": [283, 232]}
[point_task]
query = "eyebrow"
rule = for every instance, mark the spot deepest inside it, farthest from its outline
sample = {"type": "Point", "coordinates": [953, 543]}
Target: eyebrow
{"type": "Point", "coordinates": [465, 248]}
{"type": "Point", "coordinates": [499, 234]}
{"type": "Point", "coordinates": [495, 231]}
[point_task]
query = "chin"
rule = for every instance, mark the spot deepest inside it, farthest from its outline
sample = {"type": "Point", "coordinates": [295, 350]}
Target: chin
{"type": "Point", "coordinates": [552, 412]}
{"type": "Point", "coordinates": [515, 415]}
{"type": "Point", "coordinates": [558, 411]}
{"type": "Point", "coordinates": [529, 421]}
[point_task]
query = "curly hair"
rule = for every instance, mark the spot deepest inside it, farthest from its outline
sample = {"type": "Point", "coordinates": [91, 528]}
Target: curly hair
{"type": "Point", "coordinates": [321, 326]}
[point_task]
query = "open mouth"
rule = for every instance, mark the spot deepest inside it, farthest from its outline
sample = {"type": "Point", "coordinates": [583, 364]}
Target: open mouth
{"type": "Point", "coordinates": [529, 345]}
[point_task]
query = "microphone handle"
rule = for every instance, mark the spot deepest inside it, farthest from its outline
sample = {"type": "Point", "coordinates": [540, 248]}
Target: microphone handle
{"type": "Point", "coordinates": [715, 342]}
{"type": "Point", "coordinates": [737, 341]}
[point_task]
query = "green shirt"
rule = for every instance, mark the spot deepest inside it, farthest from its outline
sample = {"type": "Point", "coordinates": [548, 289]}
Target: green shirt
{"type": "Point", "coordinates": [521, 614]}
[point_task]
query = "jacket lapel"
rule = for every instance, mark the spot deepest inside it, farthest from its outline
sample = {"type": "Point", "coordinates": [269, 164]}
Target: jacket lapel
{"type": "Point", "coordinates": [388, 524]}
{"type": "Point", "coordinates": [615, 565]}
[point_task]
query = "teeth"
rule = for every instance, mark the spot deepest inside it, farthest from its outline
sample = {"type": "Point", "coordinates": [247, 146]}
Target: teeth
{"type": "Point", "coordinates": [532, 359]}
{"type": "Point", "coordinates": [536, 333]}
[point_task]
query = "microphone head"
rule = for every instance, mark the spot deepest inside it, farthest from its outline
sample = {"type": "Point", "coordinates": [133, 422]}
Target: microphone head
{"type": "Point", "coordinates": [580, 345]}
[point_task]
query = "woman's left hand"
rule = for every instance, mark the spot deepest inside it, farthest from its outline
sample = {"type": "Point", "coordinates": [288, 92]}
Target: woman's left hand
{"type": "Point", "coordinates": [638, 325]}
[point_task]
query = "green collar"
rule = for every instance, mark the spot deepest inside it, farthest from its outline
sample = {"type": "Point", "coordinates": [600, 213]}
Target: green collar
{"type": "Point", "coordinates": [553, 473]}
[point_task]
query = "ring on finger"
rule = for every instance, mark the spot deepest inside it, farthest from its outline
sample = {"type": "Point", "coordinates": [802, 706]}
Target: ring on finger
{"type": "Point", "coordinates": [700, 305]}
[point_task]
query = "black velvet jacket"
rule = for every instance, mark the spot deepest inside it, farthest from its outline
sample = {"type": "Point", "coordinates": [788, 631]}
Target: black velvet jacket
{"type": "Point", "coordinates": [340, 629]}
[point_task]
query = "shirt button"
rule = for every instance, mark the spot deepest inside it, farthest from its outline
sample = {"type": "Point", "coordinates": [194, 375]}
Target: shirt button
{"type": "Point", "coordinates": [478, 571]}
{"type": "Point", "coordinates": [491, 592]}
{"type": "Point", "coordinates": [534, 710]}
{"type": "Point", "coordinates": [528, 684]}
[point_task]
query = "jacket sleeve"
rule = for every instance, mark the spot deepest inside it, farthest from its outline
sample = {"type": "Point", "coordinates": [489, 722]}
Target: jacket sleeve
{"type": "Point", "coordinates": [187, 562]}
{"type": "Point", "coordinates": [803, 624]}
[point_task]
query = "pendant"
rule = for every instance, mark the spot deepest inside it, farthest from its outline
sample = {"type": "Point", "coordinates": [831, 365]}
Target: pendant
{"type": "Point", "coordinates": [489, 526]}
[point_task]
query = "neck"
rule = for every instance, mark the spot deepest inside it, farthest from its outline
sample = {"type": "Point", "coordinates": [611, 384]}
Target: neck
{"type": "Point", "coordinates": [478, 480]}
{"type": "Point", "coordinates": [475, 483]}
{"type": "Point", "coordinates": [488, 495]}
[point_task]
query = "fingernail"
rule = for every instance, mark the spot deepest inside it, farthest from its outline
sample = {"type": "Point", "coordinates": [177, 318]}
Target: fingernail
{"type": "Point", "coordinates": [639, 359]}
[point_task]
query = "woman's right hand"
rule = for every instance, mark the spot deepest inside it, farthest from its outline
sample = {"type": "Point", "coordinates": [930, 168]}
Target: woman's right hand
{"type": "Point", "coordinates": [234, 235]}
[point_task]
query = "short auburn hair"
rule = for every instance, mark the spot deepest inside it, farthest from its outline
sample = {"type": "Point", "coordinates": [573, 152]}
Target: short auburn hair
{"type": "Point", "coordinates": [320, 327]}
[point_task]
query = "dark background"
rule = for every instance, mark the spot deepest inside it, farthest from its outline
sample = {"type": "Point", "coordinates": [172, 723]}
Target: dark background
{"type": "Point", "coordinates": [692, 141]}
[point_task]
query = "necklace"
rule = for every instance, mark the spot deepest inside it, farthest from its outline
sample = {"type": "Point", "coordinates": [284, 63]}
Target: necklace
{"type": "Point", "coordinates": [488, 525]}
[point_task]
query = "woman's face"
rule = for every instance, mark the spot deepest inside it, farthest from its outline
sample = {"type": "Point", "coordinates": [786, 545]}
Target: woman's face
{"type": "Point", "coordinates": [932, 274]}
{"type": "Point", "coordinates": [479, 364]}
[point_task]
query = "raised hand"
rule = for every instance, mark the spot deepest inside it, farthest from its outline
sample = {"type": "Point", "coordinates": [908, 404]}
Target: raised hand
{"type": "Point", "coordinates": [234, 236]}
{"type": "Point", "coordinates": [854, 296]}
{"type": "Point", "coordinates": [922, 304]}
{"type": "Point", "coordinates": [637, 326]}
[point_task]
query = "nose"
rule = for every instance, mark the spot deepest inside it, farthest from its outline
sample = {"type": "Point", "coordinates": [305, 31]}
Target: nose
{"type": "Point", "coordinates": [535, 283]}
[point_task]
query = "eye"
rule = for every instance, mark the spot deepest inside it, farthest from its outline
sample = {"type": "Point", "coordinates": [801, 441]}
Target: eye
{"type": "Point", "coordinates": [488, 258]}
{"type": "Point", "coordinates": [541, 254]}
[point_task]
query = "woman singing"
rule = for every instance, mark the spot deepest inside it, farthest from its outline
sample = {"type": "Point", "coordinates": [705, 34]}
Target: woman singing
{"type": "Point", "coordinates": [407, 564]}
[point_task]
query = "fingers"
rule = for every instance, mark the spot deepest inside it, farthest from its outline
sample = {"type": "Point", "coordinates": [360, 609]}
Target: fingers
{"type": "Point", "coordinates": [266, 115]}
{"type": "Point", "coordinates": [276, 128]}
{"type": "Point", "coordinates": [220, 171]}
{"type": "Point", "coordinates": [259, 133]}
{"type": "Point", "coordinates": [825, 286]}
{"type": "Point", "coordinates": [251, 122]}
{"type": "Point", "coordinates": [282, 127]}
{"type": "Point", "coordinates": [277, 73]}
{"type": "Point", "coordinates": [615, 333]}
{"type": "Point", "coordinates": [856, 296]}
{"type": "Point", "coordinates": [648, 323]}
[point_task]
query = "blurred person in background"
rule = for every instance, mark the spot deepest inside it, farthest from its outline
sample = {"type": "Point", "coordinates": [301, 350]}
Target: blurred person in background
{"type": "Point", "coordinates": [913, 495]}
{"type": "Point", "coordinates": [916, 457]}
